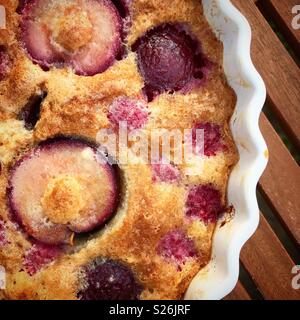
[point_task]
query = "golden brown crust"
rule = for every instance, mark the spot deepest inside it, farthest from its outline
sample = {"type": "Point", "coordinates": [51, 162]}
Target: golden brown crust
{"type": "Point", "coordinates": [79, 106]}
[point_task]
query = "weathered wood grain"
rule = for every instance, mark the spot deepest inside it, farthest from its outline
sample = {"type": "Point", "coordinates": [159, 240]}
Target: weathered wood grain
{"type": "Point", "coordinates": [282, 14]}
{"type": "Point", "coordinates": [280, 182]}
{"type": "Point", "coordinates": [269, 265]}
{"type": "Point", "coordinates": [280, 72]}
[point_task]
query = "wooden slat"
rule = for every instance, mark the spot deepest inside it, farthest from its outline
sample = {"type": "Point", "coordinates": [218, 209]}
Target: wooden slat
{"type": "Point", "coordinates": [281, 181]}
{"type": "Point", "coordinates": [280, 72]}
{"type": "Point", "coordinates": [281, 12]}
{"type": "Point", "coordinates": [269, 265]}
{"type": "Point", "coordinates": [239, 293]}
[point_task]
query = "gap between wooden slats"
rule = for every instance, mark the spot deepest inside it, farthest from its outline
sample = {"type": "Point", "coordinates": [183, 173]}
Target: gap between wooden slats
{"type": "Point", "coordinates": [280, 182]}
{"type": "Point", "coordinates": [281, 13]}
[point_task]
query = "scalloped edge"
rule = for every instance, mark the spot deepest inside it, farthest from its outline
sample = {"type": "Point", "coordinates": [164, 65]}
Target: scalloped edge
{"type": "Point", "coordinates": [220, 276]}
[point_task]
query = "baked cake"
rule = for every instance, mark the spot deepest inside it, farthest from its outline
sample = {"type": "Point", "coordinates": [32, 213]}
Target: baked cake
{"type": "Point", "coordinates": [75, 221]}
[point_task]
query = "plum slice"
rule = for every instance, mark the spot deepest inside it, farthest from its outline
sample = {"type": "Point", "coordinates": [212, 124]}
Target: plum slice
{"type": "Point", "coordinates": [106, 279]}
{"type": "Point", "coordinates": [169, 58]}
{"type": "Point", "coordinates": [85, 35]}
{"type": "Point", "coordinates": [62, 187]}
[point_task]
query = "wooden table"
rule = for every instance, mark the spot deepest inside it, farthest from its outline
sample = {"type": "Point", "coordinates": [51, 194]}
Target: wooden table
{"type": "Point", "coordinates": [268, 258]}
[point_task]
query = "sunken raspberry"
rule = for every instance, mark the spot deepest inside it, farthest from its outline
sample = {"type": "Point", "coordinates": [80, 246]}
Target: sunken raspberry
{"type": "Point", "coordinates": [4, 63]}
{"type": "Point", "coordinates": [176, 246]}
{"type": "Point", "coordinates": [165, 173]}
{"type": "Point", "coordinates": [109, 280]}
{"type": "Point", "coordinates": [39, 256]}
{"type": "Point", "coordinates": [132, 111]}
{"type": "Point", "coordinates": [204, 203]}
{"type": "Point", "coordinates": [212, 138]}
{"type": "Point", "coordinates": [169, 58]}
{"type": "Point", "coordinates": [3, 239]}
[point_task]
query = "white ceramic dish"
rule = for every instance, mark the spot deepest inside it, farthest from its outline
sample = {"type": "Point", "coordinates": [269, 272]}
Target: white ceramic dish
{"type": "Point", "coordinates": [220, 277]}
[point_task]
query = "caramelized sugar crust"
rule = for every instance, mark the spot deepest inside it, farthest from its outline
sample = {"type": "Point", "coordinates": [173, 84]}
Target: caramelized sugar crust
{"type": "Point", "coordinates": [150, 227]}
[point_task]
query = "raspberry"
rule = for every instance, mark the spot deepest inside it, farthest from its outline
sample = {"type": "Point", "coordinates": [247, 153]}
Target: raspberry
{"type": "Point", "coordinates": [165, 173]}
{"type": "Point", "coordinates": [212, 138]}
{"type": "Point", "coordinates": [176, 246]}
{"type": "Point", "coordinates": [132, 111]}
{"type": "Point", "coordinates": [109, 280]}
{"type": "Point", "coordinates": [204, 202]}
{"type": "Point", "coordinates": [38, 256]}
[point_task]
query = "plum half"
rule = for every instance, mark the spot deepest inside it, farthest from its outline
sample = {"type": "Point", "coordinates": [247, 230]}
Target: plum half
{"type": "Point", "coordinates": [169, 58]}
{"type": "Point", "coordinates": [85, 35]}
{"type": "Point", "coordinates": [61, 187]}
